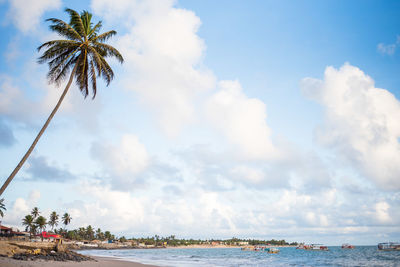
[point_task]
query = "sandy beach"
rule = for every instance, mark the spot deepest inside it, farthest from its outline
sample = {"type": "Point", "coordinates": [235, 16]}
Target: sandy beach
{"type": "Point", "coordinates": [100, 262]}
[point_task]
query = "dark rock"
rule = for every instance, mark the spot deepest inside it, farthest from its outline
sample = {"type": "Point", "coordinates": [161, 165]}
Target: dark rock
{"type": "Point", "coordinates": [59, 256]}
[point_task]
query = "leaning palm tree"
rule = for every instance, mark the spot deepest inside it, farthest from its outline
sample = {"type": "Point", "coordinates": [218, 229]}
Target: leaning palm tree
{"type": "Point", "coordinates": [35, 212]}
{"type": "Point", "coordinates": [28, 222]}
{"type": "Point", "coordinates": [82, 52]}
{"type": "Point", "coordinates": [66, 219]}
{"type": "Point", "coordinates": [53, 220]}
{"type": "Point", "coordinates": [2, 207]}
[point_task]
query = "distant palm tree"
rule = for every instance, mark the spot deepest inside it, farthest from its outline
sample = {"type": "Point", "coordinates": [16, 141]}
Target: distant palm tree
{"type": "Point", "coordinates": [41, 224]}
{"type": "Point", "coordinates": [2, 207]}
{"type": "Point", "coordinates": [89, 232]}
{"type": "Point", "coordinates": [83, 53]}
{"type": "Point", "coordinates": [28, 222]}
{"type": "Point", "coordinates": [66, 219]}
{"type": "Point", "coordinates": [53, 220]}
{"type": "Point", "coordinates": [35, 212]}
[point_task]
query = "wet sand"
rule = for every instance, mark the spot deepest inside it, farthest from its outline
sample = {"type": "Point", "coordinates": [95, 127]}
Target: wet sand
{"type": "Point", "coordinates": [100, 262]}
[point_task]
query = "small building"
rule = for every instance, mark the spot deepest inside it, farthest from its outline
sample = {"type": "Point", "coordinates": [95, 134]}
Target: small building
{"type": "Point", "coordinates": [5, 231]}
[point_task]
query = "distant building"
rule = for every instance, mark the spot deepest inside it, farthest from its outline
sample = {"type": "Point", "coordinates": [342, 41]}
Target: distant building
{"type": "Point", "coordinates": [5, 231]}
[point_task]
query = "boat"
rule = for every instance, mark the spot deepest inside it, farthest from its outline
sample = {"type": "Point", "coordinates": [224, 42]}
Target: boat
{"type": "Point", "coordinates": [254, 248]}
{"type": "Point", "coordinates": [347, 246]}
{"type": "Point", "coordinates": [261, 248]}
{"type": "Point", "coordinates": [271, 250]}
{"type": "Point", "coordinates": [389, 246]}
{"type": "Point", "coordinates": [317, 247]}
{"type": "Point", "coordinates": [302, 246]}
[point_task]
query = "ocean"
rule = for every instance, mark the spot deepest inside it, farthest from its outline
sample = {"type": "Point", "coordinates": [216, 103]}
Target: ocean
{"type": "Point", "coordinates": [336, 256]}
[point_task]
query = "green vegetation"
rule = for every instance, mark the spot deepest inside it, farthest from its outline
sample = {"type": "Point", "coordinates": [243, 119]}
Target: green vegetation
{"type": "Point", "coordinates": [66, 219]}
{"type": "Point", "coordinates": [2, 207]}
{"type": "Point", "coordinates": [87, 234]}
{"type": "Point", "coordinates": [41, 222]}
{"type": "Point", "coordinates": [82, 52]}
{"type": "Point", "coordinates": [53, 219]}
{"type": "Point", "coordinates": [30, 226]}
{"type": "Point", "coordinates": [35, 212]}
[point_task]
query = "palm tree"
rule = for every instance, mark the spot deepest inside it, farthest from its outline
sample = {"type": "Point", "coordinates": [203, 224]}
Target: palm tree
{"type": "Point", "coordinates": [83, 52]}
{"type": "Point", "coordinates": [66, 219]}
{"type": "Point", "coordinates": [99, 234]}
{"type": "Point", "coordinates": [28, 222]}
{"type": "Point", "coordinates": [89, 232]}
{"type": "Point", "coordinates": [2, 207]}
{"type": "Point", "coordinates": [35, 212]}
{"type": "Point", "coordinates": [41, 224]}
{"type": "Point", "coordinates": [53, 220]}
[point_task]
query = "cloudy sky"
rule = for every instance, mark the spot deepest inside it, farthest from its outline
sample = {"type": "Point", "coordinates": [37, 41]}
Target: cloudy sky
{"type": "Point", "coordinates": [253, 119]}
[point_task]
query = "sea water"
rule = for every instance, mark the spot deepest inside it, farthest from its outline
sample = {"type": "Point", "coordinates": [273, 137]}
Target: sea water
{"type": "Point", "coordinates": [336, 256]}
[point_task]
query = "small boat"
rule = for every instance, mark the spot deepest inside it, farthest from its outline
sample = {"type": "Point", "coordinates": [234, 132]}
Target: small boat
{"type": "Point", "coordinates": [389, 246]}
{"type": "Point", "coordinates": [347, 246]}
{"type": "Point", "coordinates": [302, 246]}
{"type": "Point", "coordinates": [254, 248]}
{"type": "Point", "coordinates": [271, 250]}
{"type": "Point", "coordinates": [317, 247]}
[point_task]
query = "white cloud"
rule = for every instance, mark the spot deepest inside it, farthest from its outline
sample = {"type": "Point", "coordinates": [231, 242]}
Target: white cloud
{"type": "Point", "coordinates": [18, 209]}
{"type": "Point", "coordinates": [34, 196]}
{"type": "Point", "coordinates": [124, 161]}
{"type": "Point", "coordinates": [361, 122]}
{"type": "Point", "coordinates": [386, 49]}
{"type": "Point", "coordinates": [382, 212]}
{"type": "Point", "coordinates": [27, 14]}
{"type": "Point", "coordinates": [163, 56]}
{"type": "Point", "coordinates": [242, 120]}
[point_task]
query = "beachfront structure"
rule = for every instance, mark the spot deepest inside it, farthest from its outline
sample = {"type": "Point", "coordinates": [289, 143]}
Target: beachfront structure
{"type": "Point", "coordinates": [5, 231]}
{"type": "Point", "coordinates": [389, 246]}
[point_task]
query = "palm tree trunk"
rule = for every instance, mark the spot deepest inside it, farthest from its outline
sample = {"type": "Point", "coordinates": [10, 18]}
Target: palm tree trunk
{"type": "Point", "coordinates": [9, 179]}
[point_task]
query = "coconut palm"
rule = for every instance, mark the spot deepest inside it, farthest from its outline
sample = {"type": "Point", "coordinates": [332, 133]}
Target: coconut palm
{"type": "Point", "coordinates": [53, 220]}
{"type": "Point", "coordinates": [81, 53]}
{"type": "Point", "coordinates": [89, 232]}
{"type": "Point", "coordinates": [66, 219]}
{"type": "Point", "coordinates": [41, 224]}
{"type": "Point", "coordinates": [28, 222]}
{"type": "Point", "coordinates": [35, 212]}
{"type": "Point", "coordinates": [2, 207]}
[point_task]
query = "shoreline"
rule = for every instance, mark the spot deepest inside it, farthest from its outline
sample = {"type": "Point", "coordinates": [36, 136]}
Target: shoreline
{"type": "Point", "coordinates": [99, 262]}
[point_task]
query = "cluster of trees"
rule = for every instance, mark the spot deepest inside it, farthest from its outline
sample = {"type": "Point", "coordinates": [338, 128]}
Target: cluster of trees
{"type": "Point", "coordinates": [34, 222]}
{"type": "Point", "coordinates": [88, 233]}
{"type": "Point", "coordinates": [272, 242]}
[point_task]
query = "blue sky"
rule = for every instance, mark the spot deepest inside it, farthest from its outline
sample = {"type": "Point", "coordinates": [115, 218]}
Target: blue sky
{"type": "Point", "coordinates": [254, 119]}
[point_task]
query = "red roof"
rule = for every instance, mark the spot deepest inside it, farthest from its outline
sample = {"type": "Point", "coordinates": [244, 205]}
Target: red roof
{"type": "Point", "coordinates": [4, 228]}
{"type": "Point", "coordinates": [48, 235]}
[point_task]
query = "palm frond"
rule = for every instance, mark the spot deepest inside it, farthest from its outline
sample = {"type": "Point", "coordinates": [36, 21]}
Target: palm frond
{"type": "Point", "coordinates": [93, 32]}
{"type": "Point", "coordinates": [58, 43]}
{"type": "Point", "coordinates": [86, 18]}
{"type": "Point", "coordinates": [82, 75]}
{"type": "Point", "coordinates": [103, 37]}
{"type": "Point", "coordinates": [64, 29]}
{"type": "Point", "coordinates": [96, 57]}
{"type": "Point", "coordinates": [76, 22]}
{"type": "Point", "coordinates": [59, 73]}
{"type": "Point", "coordinates": [107, 50]}
{"type": "Point", "coordinates": [93, 79]}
